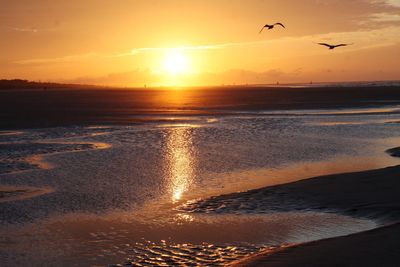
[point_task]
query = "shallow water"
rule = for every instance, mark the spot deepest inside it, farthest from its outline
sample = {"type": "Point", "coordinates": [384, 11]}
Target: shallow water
{"type": "Point", "coordinates": [175, 239]}
{"type": "Point", "coordinates": [112, 193]}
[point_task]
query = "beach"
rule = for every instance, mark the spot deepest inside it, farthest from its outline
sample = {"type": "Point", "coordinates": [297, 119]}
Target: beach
{"type": "Point", "coordinates": [359, 194]}
{"type": "Point", "coordinates": [347, 197]}
{"type": "Point", "coordinates": [382, 249]}
{"type": "Point", "coordinates": [371, 194]}
{"type": "Point", "coordinates": [202, 178]}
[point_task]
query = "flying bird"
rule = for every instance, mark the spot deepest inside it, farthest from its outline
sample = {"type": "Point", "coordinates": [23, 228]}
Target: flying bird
{"type": "Point", "coordinates": [270, 27]}
{"type": "Point", "coordinates": [333, 46]}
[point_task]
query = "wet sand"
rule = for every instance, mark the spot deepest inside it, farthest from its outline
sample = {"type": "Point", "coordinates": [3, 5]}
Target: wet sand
{"type": "Point", "coordinates": [84, 106]}
{"type": "Point", "coordinates": [14, 193]}
{"type": "Point", "coordinates": [378, 247]}
{"type": "Point", "coordinates": [371, 194]}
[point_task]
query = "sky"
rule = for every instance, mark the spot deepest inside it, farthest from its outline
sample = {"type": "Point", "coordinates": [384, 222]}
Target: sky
{"type": "Point", "coordinates": [191, 42]}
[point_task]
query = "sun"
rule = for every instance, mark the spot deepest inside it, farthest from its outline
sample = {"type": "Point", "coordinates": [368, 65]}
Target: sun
{"type": "Point", "coordinates": [176, 62]}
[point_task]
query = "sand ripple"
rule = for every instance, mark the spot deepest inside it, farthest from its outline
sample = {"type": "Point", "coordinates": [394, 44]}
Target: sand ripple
{"type": "Point", "coordinates": [17, 156]}
{"type": "Point", "coordinates": [186, 254]}
{"type": "Point", "coordinates": [13, 193]}
{"type": "Point", "coordinates": [251, 202]}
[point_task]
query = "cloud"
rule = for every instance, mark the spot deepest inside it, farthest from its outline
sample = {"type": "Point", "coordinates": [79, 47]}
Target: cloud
{"type": "Point", "coordinates": [133, 52]}
{"type": "Point", "coordinates": [234, 76]}
{"type": "Point", "coordinates": [140, 78]}
{"type": "Point", "coordinates": [363, 39]}
{"type": "Point", "coordinates": [26, 29]}
{"type": "Point", "coordinates": [63, 59]}
{"type": "Point", "coordinates": [367, 39]}
{"type": "Point", "coordinates": [17, 29]}
{"type": "Point", "coordinates": [395, 3]}
{"type": "Point", "coordinates": [385, 17]}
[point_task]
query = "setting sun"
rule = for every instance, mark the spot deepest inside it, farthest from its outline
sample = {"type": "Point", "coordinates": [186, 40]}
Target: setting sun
{"type": "Point", "coordinates": [176, 62]}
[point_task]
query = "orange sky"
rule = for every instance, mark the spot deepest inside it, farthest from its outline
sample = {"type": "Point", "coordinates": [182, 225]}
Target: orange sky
{"type": "Point", "coordinates": [130, 43]}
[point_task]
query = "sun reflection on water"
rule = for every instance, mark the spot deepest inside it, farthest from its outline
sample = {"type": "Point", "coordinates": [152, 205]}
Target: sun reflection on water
{"type": "Point", "coordinates": [180, 161]}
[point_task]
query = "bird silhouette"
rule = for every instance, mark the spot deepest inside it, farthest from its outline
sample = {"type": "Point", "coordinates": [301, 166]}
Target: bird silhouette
{"type": "Point", "coordinates": [333, 46]}
{"type": "Point", "coordinates": [270, 27]}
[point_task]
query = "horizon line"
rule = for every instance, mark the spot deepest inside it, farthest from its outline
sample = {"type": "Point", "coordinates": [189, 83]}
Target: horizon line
{"type": "Point", "coordinates": [146, 86]}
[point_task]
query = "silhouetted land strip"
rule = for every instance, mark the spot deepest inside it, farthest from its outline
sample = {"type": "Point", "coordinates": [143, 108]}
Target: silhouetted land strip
{"type": "Point", "coordinates": [20, 84]}
{"type": "Point", "coordinates": [85, 105]}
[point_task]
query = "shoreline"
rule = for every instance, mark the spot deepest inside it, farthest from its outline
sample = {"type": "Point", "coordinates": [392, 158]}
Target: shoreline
{"type": "Point", "coordinates": [10, 193]}
{"type": "Point", "coordinates": [378, 199]}
{"type": "Point", "coordinates": [377, 247]}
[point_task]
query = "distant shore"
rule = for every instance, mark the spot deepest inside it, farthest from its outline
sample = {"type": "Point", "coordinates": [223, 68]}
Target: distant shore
{"type": "Point", "coordinates": [371, 194]}
{"type": "Point", "coordinates": [50, 107]}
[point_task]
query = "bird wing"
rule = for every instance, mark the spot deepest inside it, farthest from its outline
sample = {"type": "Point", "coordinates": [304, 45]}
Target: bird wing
{"type": "Point", "coordinates": [342, 45]}
{"type": "Point", "coordinates": [280, 24]}
{"type": "Point", "coordinates": [261, 29]}
{"type": "Point", "coordinates": [325, 44]}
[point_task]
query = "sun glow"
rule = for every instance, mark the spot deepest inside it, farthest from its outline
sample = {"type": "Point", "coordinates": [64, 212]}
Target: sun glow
{"type": "Point", "coordinates": [176, 62]}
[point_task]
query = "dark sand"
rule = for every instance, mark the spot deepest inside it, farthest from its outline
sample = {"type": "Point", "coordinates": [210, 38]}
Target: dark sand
{"type": "Point", "coordinates": [375, 248]}
{"type": "Point", "coordinates": [62, 107]}
{"type": "Point", "coordinates": [394, 152]}
{"type": "Point", "coordinates": [372, 194]}
{"type": "Point", "coordinates": [14, 193]}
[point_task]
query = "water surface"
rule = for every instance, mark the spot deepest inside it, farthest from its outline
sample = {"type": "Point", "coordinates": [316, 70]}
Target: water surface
{"type": "Point", "coordinates": [108, 194]}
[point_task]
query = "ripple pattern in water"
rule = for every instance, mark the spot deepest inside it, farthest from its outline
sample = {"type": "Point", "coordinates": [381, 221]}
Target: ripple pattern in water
{"type": "Point", "coordinates": [186, 254]}
{"type": "Point", "coordinates": [22, 156]}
